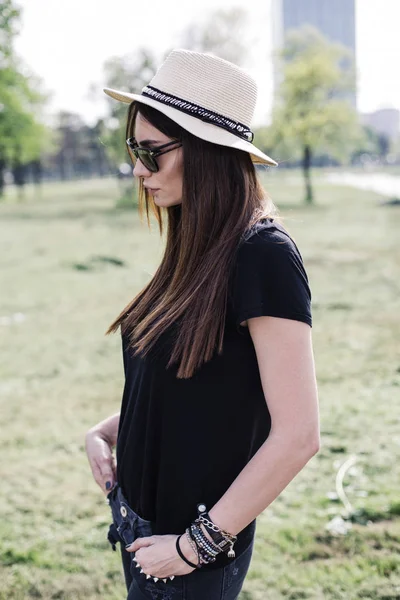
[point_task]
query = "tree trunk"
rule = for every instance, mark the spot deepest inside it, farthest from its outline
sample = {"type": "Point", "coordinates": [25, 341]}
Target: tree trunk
{"type": "Point", "coordinates": [2, 170]}
{"type": "Point", "coordinates": [37, 171]}
{"type": "Point", "coordinates": [309, 198]}
{"type": "Point", "coordinates": [19, 173]}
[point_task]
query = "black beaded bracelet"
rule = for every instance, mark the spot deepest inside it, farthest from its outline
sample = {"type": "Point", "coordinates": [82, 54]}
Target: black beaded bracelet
{"type": "Point", "coordinates": [208, 553]}
{"type": "Point", "coordinates": [204, 556]}
{"type": "Point", "coordinates": [201, 539]}
{"type": "Point", "coordinates": [211, 541]}
{"type": "Point", "coordinates": [183, 557]}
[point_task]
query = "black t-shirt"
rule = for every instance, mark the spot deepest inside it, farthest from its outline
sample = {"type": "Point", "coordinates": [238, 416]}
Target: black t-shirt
{"type": "Point", "coordinates": [184, 441]}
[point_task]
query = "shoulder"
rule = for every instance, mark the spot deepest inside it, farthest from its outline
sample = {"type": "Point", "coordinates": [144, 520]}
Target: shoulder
{"type": "Point", "coordinates": [268, 241]}
{"type": "Point", "coordinates": [269, 276]}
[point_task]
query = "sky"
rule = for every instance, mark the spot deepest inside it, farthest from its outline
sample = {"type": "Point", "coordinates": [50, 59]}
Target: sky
{"type": "Point", "coordinates": [66, 42]}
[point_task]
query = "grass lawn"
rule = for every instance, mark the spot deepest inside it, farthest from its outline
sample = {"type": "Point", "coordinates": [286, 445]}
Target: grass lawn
{"type": "Point", "coordinates": [69, 261]}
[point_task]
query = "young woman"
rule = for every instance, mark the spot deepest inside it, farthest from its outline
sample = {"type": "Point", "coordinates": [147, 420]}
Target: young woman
{"type": "Point", "coordinates": [219, 410]}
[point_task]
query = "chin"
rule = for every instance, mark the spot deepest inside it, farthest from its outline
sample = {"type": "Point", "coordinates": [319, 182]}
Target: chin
{"type": "Point", "coordinates": [165, 202]}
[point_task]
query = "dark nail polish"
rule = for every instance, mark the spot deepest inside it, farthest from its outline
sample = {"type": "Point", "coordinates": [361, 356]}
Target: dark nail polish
{"type": "Point", "coordinates": [108, 485]}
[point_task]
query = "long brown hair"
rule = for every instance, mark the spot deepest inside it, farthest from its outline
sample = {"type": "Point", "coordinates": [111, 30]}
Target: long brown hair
{"type": "Point", "coordinates": [222, 199]}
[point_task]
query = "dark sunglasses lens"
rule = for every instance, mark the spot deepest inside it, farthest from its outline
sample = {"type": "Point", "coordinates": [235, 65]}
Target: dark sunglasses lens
{"type": "Point", "coordinates": [148, 161]}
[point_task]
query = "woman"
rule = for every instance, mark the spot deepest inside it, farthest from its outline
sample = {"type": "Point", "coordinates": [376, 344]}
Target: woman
{"type": "Point", "coordinates": [219, 410]}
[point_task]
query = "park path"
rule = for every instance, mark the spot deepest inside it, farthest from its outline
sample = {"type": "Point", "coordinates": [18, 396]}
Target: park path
{"type": "Point", "coordinates": [387, 185]}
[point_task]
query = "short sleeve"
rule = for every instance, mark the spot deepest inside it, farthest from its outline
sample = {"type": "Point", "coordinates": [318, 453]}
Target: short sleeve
{"type": "Point", "coordinates": [269, 279]}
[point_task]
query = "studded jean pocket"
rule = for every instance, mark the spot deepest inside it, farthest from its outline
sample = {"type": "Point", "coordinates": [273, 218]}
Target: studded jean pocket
{"type": "Point", "coordinates": [160, 590]}
{"type": "Point", "coordinates": [128, 524]}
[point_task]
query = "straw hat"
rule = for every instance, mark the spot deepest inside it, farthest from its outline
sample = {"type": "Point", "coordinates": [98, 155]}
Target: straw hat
{"type": "Point", "coordinates": [210, 97]}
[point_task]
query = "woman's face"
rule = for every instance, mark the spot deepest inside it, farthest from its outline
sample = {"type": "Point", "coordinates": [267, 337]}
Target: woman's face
{"type": "Point", "coordinates": [166, 185]}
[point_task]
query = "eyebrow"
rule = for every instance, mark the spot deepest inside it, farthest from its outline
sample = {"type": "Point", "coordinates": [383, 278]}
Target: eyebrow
{"type": "Point", "coordinates": [147, 142]}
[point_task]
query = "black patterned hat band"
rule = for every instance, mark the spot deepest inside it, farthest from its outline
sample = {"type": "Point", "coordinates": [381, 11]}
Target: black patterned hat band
{"type": "Point", "coordinates": [208, 96]}
{"type": "Point", "coordinates": [208, 116]}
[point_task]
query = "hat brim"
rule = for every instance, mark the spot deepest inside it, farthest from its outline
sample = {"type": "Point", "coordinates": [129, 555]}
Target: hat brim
{"type": "Point", "coordinates": [205, 131]}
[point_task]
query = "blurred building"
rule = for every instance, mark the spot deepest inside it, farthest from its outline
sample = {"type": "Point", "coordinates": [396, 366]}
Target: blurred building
{"type": "Point", "coordinates": [335, 19]}
{"type": "Point", "coordinates": [385, 121]}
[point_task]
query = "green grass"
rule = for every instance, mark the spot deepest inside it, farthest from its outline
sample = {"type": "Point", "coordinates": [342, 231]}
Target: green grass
{"type": "Point", "coordinates": [69, 261]}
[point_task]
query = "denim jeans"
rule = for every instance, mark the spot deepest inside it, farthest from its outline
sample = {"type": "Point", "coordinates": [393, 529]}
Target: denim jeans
{"type": "Point", "coordinates": [224, 583]}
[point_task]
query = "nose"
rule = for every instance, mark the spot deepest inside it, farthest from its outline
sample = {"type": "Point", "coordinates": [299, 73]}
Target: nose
{"type": "Point", "coordinates": [140, 170]}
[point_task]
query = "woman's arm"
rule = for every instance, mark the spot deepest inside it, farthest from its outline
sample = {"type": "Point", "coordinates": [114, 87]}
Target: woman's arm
{"type": "Point", "coordinates": [99, 442]}
{"type": "Point", "coordinates": [285, 358]}
{"type": "Point", "coordinates": [107, 429]}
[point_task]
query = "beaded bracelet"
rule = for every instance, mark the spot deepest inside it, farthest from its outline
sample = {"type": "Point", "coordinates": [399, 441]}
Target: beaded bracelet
{"type": "Point", "coordinates": [203, 543]}
{"type": "Point", "coordinates": [204, 555]}
{"type": "Point", "coordinates": [207, 549]}
{"type": "Point", "coordinates": [203, 558]}
{"type": "Point", "coordinates": [192, 544]}
{"type": "Point", "coordinates": [205, 539]}
{"type": "Point", "coordinates": [222, 543]}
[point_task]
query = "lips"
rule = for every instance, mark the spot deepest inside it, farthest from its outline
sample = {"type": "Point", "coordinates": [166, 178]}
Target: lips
{"type": "Point", "coordinates": [152, 190]}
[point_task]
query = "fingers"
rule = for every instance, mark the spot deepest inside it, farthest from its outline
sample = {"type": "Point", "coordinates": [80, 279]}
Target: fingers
{"type": "Point", "coordinates": [108, 478]}
{"type": "Point", "coordinates": [114, 466]}
{"type": "Point", "coordinates": [103, 474]}
{"type": "Point", "coordinates": [97, 473]}
{"type": "Point", "coordinates": [101, 460]}
{"type": "Point", "coordinates": [143, 542]}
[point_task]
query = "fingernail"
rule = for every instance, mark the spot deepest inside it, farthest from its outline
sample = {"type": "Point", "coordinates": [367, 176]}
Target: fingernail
{"type": "Point", "coordinates": [108, 485]}
{"type": "Point", "coordinates": [128, 546]}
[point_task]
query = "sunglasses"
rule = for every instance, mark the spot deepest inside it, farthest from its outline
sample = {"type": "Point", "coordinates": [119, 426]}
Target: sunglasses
{"type": "Point", "coordinates": [147, 156]}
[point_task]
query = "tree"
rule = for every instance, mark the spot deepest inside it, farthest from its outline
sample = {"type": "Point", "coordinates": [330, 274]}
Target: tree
{"type": "Point", "coordinates": [222, 33]}
{"type": "Point", "coordinates": [375, 146]}
{"type": "Point", "coordinates": [313, 111]}
{"type": "Point", "coordinates": [79, 153]}
{"type": "Point", "coordinates": [23, 135]}
{"type": "Point", "coordinates": [131, 73]}
{"type": "Point", "coordinates": [9, 15]}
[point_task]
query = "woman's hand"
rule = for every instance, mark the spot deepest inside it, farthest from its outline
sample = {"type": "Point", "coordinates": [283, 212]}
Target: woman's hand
{"type": "Point", "coordinates": [101, 459]}
{"type": "Point", "coordinates": [158, 557]}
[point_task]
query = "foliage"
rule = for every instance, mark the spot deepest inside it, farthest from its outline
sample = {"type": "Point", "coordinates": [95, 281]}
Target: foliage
{"type": "Point", "coordinates": [312, 110]}
{"type": "Point", "coordinates": [21, 129]}
{"type": "Point", "coordinates": [129, 73]}
{"type": "Point", "coordinates": [221, 33]}
{"type": "Point", "coordinates": [373, 147]}
{"type": "Point", "coordinates": [23, 135]}
{"type": "Point", "coordinates": [9, 15]}
{"type": "Point", "coordinates": [79, 148]}
{"type": "Point", "coordinates": [263, 139]}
